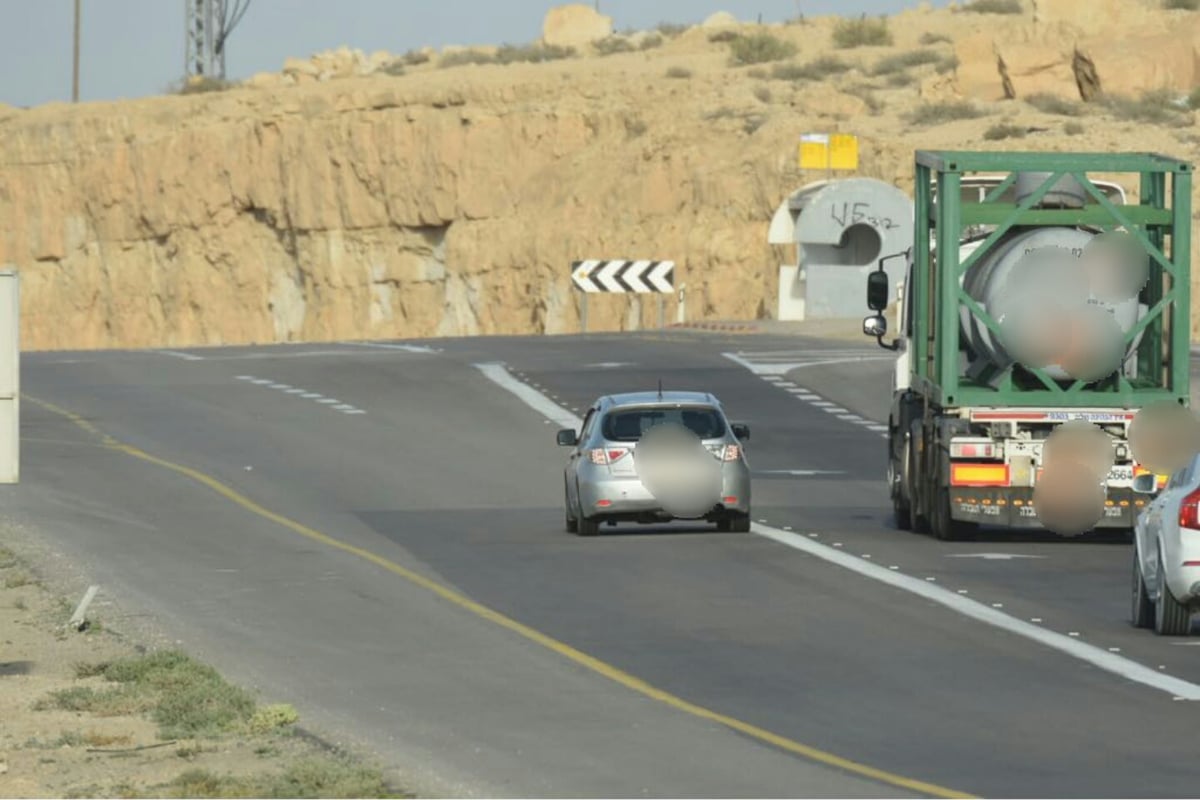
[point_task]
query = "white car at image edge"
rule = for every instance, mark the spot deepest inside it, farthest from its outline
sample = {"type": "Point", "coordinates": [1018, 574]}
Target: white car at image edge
{"type": "Point", "coordinates": [1166, 561]}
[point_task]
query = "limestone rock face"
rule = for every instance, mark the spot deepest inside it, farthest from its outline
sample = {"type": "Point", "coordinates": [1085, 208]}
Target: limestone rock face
{"type": "Point", "coordinates": [575, 25]}
{"type": "Point", "coordinates": [345, 201]}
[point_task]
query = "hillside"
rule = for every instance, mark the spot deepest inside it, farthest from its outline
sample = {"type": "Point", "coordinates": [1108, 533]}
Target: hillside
{"type": "Point", "coordinates": [356, 196]}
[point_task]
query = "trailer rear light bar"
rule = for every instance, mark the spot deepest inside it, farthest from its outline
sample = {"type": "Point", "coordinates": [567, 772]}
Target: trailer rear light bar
{"type": "Point", "coordinates": [978, 474]}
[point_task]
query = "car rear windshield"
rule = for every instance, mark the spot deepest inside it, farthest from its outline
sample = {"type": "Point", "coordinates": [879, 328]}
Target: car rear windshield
{"type": "Point", "coordinates": [628, 425]}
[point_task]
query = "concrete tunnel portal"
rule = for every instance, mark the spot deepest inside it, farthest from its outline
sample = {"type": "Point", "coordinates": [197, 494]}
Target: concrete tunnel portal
{"type": "Point", "coordinates": [840, 229]}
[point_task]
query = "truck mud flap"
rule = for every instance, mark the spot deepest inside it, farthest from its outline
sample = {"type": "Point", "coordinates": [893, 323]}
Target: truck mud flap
{"type": "Point", "coordinates": [1013, 507]}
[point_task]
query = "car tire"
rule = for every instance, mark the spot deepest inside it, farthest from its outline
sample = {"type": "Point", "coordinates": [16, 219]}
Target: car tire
{"type": "Point", "coordinates": [1142, 614]}
{"type": "Point", "coordinates": [1171, 617]}
{"type": "Point", "coordinates": [571, 524]}
{"type": "Point", "coordinates": [588, 527]}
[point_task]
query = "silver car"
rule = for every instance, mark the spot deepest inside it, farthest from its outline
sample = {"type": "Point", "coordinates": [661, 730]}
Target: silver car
{"type": "Point", "coordinates": [1166, 553]}
{"type": "Point", "coordinates": [601, 482]}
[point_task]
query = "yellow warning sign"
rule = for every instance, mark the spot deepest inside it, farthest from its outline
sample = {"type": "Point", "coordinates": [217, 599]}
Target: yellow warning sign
{"type": "Point", "coordinates": [829, 151]}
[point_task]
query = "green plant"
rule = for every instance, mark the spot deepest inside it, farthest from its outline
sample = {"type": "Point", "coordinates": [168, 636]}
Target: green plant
{"type": "Point", "coordinates": [1193, 99]}
{"type": "Point", "coordinates": [532, 53]}
{"type": "Point", "coordinates": [818, 69]}
{"type": "Point", "coordinates": [395, 68]}
{"type": "Point", "coordinates": [867, 95]}
{"type": "Point", "coordinates": [759, 48]}
{"type": "Point", "coordinates": [862, 32]}
{"type": "Point", "coordinates": [462, 57]}
{"type": "Point", "coordinates": [1073, 128]}
{"type": "Point", "coordinates": [1181, 5]}
{"type": "Point", "coordinates": [901, 79]}
{"type": "Point", "coordinates": [928, 38]}
{"type": "Point", "coordinates": [679, 72]}
{"type": "Point", "coordinates": [1159, 107]}
{"type": "Point", "coordinates": [650, 42]}
{"type": "Point", "coordinates": [722, 36]}
{"type": "Point", "coordinates": [671, 29]}
{"type": "Point", "coordinates": [995, 7]}
{"type": "Point", "coordinates": [902, 61]}
{"type": "Point", "coordinates": [204, 84]}
{"type": "Point", "coordinates": [415, 57]}
{"type": "Point", "coordinates": [1004, 131]}
{"type": "Point", "coordinates": [1053, 104]}
{"type": "Point", "coordinates": [938, 113]}
{"type": "Point", "coordinates": [612, 44]}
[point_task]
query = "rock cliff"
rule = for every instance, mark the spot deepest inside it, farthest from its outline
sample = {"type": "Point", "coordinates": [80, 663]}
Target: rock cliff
{"type": "Point", "coordinates": [380, 196]}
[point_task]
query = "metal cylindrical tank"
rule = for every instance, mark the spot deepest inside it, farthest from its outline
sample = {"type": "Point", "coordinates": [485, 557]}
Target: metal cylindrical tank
{"type": "Point", "coordinates": [1009, 277]}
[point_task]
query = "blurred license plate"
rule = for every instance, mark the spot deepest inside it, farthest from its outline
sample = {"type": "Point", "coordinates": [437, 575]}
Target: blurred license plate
{"type": "Point", "coordinates": [1121, 472]}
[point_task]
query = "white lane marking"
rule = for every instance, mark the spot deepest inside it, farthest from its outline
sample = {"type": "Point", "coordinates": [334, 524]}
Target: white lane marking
{"type": "Point", "coordinates": [337, 405]}
{"type": "Point", "coordinates": [767, 370]}
{"type": "Point", "coordinates": [992, 556]}
{"type": "Point", "coordinates": [302, 354]}
{"type": "Point", "coordinates": [865, 422]}
{"type": "Point", "coordinates": [1109, 662]}
{"type": "Point", "coordinates": [499, 375]}
{"type": "Point", "coordinates": [849, 417]}
{"type": "Point", "coordinates": [800, 472]}
{"type": "Point", "coordinates": [877, 428]}
{"type": "Point", "coordinates": [411, 348]}
{"type": "Point", "coordinates": [822, 404]}
{"type": "Point", "coordinates": [609, 365]}
{"type": "Point", "coordinates": [177, 354]}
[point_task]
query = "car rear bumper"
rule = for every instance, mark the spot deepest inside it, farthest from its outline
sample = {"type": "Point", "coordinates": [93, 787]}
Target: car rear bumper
{"type": "Point", "coordinates": [628, 497]}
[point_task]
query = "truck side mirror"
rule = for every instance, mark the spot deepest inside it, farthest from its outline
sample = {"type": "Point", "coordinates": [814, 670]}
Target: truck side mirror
{"type": "Point", "coordinates": [1146, 483]}
{"type": "Point", "coordinates": [877, 290]}
{"type": "Point", "coordinates": [875, 326]}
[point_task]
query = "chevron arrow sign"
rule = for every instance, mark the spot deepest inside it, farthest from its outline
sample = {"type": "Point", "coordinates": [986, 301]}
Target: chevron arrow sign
{"type": "Point", "coordinates": [643, 277]}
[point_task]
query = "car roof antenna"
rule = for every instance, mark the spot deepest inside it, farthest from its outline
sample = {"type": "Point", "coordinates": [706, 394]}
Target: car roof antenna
{"type": "Point", "coordinates": [660, 388]}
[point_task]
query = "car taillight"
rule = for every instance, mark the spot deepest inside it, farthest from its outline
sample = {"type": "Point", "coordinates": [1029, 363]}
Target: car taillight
{"type": "Point", "coordinates": [602, 456]}
{"type": "Point", "coordinates": [732, 451]}
{"type": "Point", "coordinates": [1189, 511]}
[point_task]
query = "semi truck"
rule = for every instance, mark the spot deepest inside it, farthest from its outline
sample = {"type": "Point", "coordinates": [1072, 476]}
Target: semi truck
{"type": "Point", "coordinates": [969, 415]}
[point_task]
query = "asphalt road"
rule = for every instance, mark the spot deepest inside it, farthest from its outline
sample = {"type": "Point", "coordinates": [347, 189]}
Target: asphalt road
{"type": "Point", "coordinates": [395, 467]}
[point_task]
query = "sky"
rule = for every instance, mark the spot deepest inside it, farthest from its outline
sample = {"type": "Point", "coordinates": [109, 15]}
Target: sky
{"type": "Point", "coordinates": [133, 48]}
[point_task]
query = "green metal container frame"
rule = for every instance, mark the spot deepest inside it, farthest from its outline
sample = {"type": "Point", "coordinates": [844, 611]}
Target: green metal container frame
{"type": "Point", "coordinates": [935, 349]}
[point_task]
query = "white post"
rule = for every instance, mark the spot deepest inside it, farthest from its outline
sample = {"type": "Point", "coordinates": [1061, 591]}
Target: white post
{"type": "Point", "coordinates": [681, 309]}
{"type": "Point", "coordinates": [10, 349]}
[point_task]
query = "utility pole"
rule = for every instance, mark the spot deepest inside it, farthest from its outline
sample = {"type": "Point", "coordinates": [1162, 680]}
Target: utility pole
{"type": "Point", "coordinates": [75, 61]}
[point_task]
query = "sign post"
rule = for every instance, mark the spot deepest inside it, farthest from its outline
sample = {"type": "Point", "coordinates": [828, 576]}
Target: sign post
{"type": "Point", "coordinates": [620, 277]}
{"type": "Point", "coordinates": [10, 390]}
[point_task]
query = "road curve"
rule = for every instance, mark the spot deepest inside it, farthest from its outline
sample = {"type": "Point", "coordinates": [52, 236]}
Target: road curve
{"type": "Point", "coordinates": [655, 661]}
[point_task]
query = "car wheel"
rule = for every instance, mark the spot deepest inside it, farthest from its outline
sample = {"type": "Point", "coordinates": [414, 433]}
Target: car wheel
{"type": "Point", "coordinates": [588, 527]}
{"type": "Point", "coordinates": [1171, 618]}
{"type": "Point", "coordinates": [1143, 607]}
{"type": "Point", "coordinates": [571, 524]}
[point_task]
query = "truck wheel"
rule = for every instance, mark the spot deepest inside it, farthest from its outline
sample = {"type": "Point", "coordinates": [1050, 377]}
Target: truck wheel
{"type": "Point", "coordinates": [1143, 608]}
{"type": "Point", "coordinates": [900, 509]}
{"type": "Point", "coordinates": [918, 522]}
{"type": "Point", "coordinates": [1171, 618]}
{"type": "Point", "coordinates": [944, 526]}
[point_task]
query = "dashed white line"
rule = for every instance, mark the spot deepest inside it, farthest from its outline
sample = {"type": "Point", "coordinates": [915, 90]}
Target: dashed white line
{"type": "Point", "coordinates": [337, 405]}
{"type": "Point", "coordinates": [177, 354]}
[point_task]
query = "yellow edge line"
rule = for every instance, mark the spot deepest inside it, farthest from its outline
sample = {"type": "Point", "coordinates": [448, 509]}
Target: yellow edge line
{"type": "Point", "coordinates": [562, 649]}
